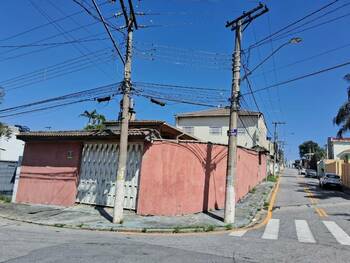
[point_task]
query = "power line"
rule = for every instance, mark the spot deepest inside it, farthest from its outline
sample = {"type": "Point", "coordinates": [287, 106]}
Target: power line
{"type": "Point", "coordinates": [45, 24]}
{"type": "Point", "coordinates": [89, 92]}
{"type": "Point", "coordinates": [293, 23]}
{"type": "Point", "coordinates": [312, 20]}
{"type": "Point", "coordinates": [53, 43]}
{"type": "Point", "coordinates": [311, 27]}
{"type": "Point", "coordinates": [299, 78]}
{"type": "Point", "coordinates": [109, 32]}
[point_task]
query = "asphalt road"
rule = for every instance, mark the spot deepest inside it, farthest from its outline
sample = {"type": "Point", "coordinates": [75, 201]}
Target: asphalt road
{"type": "Point", "coordinates": [308, 225]}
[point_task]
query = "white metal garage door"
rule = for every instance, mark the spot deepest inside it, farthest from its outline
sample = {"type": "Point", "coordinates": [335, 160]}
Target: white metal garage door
{"type": "Point", "coordinates": [98, 172]}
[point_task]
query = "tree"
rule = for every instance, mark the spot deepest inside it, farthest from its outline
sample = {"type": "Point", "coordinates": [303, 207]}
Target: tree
{"type": "Point", "coordinates": [342, 118]}
{"type": "Point", "coordinates": [312, 152]}
{"type": "Point", "coordinates": [95, 120]}
{"type": "Point", "coordinates": [4, 129]}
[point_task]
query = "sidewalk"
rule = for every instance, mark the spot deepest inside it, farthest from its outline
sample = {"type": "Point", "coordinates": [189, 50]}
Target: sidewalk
{"type": "Point", "coordinates": [249, 210]}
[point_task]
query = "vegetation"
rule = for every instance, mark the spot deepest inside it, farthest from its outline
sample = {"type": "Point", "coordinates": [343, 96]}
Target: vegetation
{"type": "Point", "coordinates": [271, 178]}
{"type": "Point", "coordinates": [342, 118]}
{"type": "Point", "coordinates": [95, 120]}
{"type": "Point", "coordinates": [311, 147]}
{"type": "Point", "coordinates": [5, 199]}
{"type": "Point", "coordinates": [4, 129]}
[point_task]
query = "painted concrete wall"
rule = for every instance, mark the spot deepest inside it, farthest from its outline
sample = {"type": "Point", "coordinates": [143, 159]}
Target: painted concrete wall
{"type": "Point", "coordinates": [11, 148]}
{"type": "Point", "coordinates": [201, 127]}
{"type": "Point", "coordinates": [184, 178]}
{"type": "Point", "coordinates": [339, 147]}
{"type": "Point", "coordinates": [49, 173]}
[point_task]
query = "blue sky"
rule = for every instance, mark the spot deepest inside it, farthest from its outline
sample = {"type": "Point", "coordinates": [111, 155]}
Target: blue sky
{"type": "Point", "coordinates": [182, 27]}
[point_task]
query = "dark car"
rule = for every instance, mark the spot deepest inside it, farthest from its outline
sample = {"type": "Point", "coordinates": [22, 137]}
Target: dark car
{"type": "Point", "coordinates": [330, 180]}
{"type": "Point", "coordinates": [311, 173]}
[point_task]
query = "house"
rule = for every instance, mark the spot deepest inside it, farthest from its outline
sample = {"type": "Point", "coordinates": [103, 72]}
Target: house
{"type": "Point", "coordinates": [338, 148]}
{"type": "Point", "coordinates": [211, 125]}
{"type": "Point", "coordinates": [11, 150]}
{"type": "Point", "coordinates": [169, 172]}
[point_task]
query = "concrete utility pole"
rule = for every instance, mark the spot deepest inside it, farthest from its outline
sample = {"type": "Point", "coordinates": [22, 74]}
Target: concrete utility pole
{"type": "Point", "coordinates": [236, 25]}
{"type": "Point", "coordinates": [125, 115]}
{"type": "Point", "coordinates": [275, 137]}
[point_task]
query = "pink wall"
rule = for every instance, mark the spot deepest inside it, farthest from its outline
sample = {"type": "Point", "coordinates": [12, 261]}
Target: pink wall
{"type": "Point", "coordinates": [187, 178]}
{"type": "Point", "coordinates": [48, 175]}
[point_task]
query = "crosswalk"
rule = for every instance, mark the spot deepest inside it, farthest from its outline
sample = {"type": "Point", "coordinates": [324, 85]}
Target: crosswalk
{"type": "Point", "coordinates": [302, 230]}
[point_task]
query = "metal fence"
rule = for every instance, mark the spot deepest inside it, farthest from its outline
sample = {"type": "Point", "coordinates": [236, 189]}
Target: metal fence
{"type": "Point", "coordinates": [7, 176]}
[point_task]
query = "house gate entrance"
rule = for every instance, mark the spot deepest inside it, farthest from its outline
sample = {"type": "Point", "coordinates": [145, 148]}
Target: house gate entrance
{"type": "Point", "coordinates": [98, 172]}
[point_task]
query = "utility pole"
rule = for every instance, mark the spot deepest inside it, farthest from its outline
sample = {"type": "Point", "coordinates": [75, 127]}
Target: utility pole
{"type": "Point", "coordinates": [275, 137]}
{"type": "Point", "coordinates": [231, 172]}
{"type": "Point", "coordinates": [124, 117]}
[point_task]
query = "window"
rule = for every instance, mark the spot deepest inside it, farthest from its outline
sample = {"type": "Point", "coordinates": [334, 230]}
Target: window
{"type": "Point", "coordinates": [188, 129]}
{"type": "Point", "coordinates": [215, 130]}
{"type": "Point", "coordinates": [70, 155]}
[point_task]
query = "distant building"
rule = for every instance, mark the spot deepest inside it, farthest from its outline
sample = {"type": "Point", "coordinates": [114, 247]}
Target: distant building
{"type": "Point", "coordinates": [11, 148]}
{"type": "Point", "coordinates": [338, 148]}
{"type": "Point", "coordinates": [212, 126]}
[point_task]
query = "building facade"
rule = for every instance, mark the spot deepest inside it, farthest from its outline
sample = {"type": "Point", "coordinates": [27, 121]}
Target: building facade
{"type": "Point", "coordinates": [338, 148]}
{"type": "Point", "coordinates": [11, 148]}
{"type": "Point", "coordinates": [212, 126]}
{"type": "Point", "coordinates": [168, 172]}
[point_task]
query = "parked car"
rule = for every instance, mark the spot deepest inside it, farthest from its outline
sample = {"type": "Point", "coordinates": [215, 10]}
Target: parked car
{"type": "Point", "coordinates": [302, 171]}
{"type": "Point", "coordinates": [330, 180]}
{"type": "Point", "coordinates": [311, 173]}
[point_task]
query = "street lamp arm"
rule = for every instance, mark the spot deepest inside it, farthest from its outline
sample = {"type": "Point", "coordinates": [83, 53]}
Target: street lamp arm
{"type": "Point", "coordinates": [295, 40]}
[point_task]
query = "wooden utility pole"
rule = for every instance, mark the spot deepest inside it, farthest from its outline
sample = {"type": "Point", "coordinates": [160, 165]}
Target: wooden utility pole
{"type": "Point", "coordinates": [231, 172]}
{"type": "Point", "coordinates": [124, 119]}
{"type": "Point", "coordinates": [275, 148]}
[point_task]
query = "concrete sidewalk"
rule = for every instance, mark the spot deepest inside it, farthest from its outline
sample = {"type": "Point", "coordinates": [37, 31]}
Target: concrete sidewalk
{"type": "Point", "coordinates": [248, 210]}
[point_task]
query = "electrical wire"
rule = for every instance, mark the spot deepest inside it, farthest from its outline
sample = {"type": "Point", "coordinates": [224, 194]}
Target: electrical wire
{"type": "Point", "coordinates": [293, 23]}
{"type": "Point", "coordinates": [299, 78]}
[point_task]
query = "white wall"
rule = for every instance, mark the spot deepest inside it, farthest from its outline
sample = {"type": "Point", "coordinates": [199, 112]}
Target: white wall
{"type": "Point", "coordinates": [202, 127]}
{"type": "Point", "coordinates": [11, 149]}
{"type": "Point", "coordinates": [339, 147]}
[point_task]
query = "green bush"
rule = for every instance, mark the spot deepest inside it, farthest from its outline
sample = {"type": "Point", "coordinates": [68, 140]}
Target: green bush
{"type": "Point", "coordinates": [5, 199]}
{"type": "Point", "coordinates": [272, 178]}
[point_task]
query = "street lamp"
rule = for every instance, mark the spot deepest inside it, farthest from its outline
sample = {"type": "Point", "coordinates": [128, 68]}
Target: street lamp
{"type": "Point", "coordinates": [294, 40]}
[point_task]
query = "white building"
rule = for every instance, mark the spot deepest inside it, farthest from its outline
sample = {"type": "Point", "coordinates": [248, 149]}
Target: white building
{"type": "Point", "coordinates": [11, 148]}
{"type": "Point", "coordinates": [212, 125]}
{"type": "Point", "coordinates": [338, 148]}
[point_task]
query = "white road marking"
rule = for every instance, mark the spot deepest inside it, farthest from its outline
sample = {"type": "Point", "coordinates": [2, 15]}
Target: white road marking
{"type": "Point", "coordinates": [338, 233]}
{"type": "Point", "coordinates": [239, 233]}
{"type": "Point", "coordinates": [271, 229]}
{"type": "Point", "coordinates": [303, 232]}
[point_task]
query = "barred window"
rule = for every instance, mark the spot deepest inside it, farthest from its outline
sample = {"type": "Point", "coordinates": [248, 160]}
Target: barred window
{"type": "Point", "coordinates": [215, 130]}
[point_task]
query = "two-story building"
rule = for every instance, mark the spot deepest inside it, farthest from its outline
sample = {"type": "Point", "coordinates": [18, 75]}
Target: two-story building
{"type": "Point", "coordinates": [212, 125]}
{"type": "Point", "coordinates": [338, 148]}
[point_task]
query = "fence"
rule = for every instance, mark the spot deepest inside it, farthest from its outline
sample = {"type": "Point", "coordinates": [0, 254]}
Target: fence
{"type": "Point", "coordinates": [7, 175]}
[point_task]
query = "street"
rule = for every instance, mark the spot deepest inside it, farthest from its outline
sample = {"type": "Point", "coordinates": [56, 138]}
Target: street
{"type": "Point", "coordinates": [308, 225]}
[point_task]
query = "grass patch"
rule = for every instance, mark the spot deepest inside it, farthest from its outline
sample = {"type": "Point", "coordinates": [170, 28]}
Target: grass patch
{"type": "Point", "coordinates": [272, 178]}
{"type": "Point", "coordinates": [5, 199]}
{"type": "Point", "coordinates": [58, 225]}
{"type": "Point", "coordinates": [253, 190]}
{"type": "Point", "coordinates": [209, 228]}
{"type": "Point", "coordinates": [229, 227]}
{"type": "Point", "coordinates": [266, 205]}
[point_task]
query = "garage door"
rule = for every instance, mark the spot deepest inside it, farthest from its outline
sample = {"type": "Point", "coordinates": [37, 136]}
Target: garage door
{"type": "Point", "coordinates": [98, 173]}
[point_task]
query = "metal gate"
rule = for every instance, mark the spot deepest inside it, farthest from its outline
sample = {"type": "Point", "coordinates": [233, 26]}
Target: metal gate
{"type": "Point", "coordinates": [7, 176]}
{"type": "Point", "coordinates": [98, 173]}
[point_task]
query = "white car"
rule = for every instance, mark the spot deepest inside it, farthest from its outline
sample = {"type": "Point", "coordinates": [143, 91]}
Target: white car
{"type": "Point", "coordinates": [330, 180]}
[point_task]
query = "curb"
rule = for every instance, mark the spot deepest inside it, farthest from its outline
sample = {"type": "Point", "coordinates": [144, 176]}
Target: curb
{"type": "Point", "coordinates": [174, 230]}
